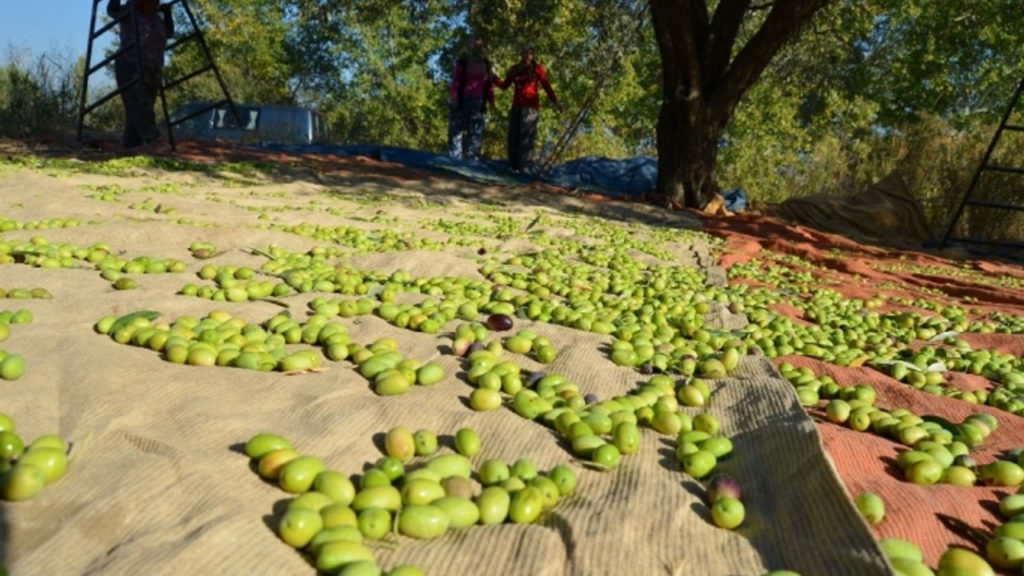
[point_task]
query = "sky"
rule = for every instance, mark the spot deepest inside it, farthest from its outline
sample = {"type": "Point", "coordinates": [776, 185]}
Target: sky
{"type": "Point", "coordinates": [56, 28]}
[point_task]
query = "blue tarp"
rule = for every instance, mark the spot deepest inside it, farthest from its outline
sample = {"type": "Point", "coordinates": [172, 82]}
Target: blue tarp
{"type": "Point", "coordinates": [629, 178]}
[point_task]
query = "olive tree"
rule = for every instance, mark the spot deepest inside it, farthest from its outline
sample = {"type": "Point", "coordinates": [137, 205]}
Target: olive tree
{"type": "Point", "coordinates": [709, 60]}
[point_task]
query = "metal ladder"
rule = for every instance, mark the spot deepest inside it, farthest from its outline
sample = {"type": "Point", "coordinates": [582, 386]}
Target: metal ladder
{"type": "Point", "coordinates": [986, 165]}
{"type": "Point", "coordinates": [97, 29]}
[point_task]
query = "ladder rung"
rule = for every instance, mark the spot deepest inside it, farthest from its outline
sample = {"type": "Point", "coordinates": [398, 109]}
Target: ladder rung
{"type": "Point", "coordinates": [101, 101]}
{"type": "Point", "coordinates": [98, 67]}
{"type": "Point", "coordinates": [1016, 127]}
{"type": "Point", "coordinates": [187, 77]}
{"type": "Point", "coordinates": [990, 204]}
{"type": "Point", "coordinates": [998, 168]}
{"type": "Point", "coordinates": [199, 112]}
{"type": "Point", "coordinates": [178, 42]}
{"type": "Point", "coordinates": [103, 29]}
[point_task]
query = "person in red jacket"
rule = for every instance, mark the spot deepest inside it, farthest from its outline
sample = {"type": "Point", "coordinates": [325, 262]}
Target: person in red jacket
{"type": "Point", "coordinates": [527, 77]}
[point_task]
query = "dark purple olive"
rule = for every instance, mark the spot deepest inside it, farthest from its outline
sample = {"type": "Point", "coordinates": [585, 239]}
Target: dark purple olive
{"type": "Point", "coordinates": [722, 485]}
{"type": "Point", "coordinates": [965, 460]}
{"type": "Point", "coordinates": [534, 378]}
{"type": "Point", "coordinates": [499, 322]}
{"type": "Point", "coordinates": [590, 398]}
{"type": "Point", "coordinates": [1013, 454]}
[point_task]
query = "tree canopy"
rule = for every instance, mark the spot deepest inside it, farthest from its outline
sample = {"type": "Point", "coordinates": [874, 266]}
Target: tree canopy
{"type": "Point", "coordinates": [859, 71]}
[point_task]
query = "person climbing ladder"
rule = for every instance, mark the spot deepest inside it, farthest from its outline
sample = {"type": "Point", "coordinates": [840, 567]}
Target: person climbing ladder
{"type": "Point", "coordinates": [139, 66]}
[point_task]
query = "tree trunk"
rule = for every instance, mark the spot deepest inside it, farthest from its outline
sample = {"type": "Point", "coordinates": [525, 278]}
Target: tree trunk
{"type": "Point", "coordinates": [687, 152]}
{"type": "Point", "coordinates": [687, 142]}
{"type": "Point", "coordinates": [704, 78]}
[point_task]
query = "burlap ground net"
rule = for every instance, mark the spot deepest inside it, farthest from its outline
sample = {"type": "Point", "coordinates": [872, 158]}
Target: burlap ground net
{"type": "Point", "coordinates": [158, 484]}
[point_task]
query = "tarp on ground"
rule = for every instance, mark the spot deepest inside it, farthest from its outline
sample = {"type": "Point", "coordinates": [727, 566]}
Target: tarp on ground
{"type": "Point", "coordinates": [157, 482]}
{"type": "Point", "coordinates": [629, 178]}
{"type": "Point", "coordinates": [883, 212]}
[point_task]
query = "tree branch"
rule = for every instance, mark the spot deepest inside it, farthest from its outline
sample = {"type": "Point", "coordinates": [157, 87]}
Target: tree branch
{"type": "Point", "coordinates": [783, 22]}
{"type": "Point", "coordinates": [724, 28]}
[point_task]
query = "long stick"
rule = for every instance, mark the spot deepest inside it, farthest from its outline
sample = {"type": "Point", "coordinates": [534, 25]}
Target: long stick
{"type": "Point", "coordinates": [571, 129]}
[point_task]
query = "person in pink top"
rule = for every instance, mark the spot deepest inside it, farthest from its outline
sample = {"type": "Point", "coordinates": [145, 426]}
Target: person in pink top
{"type": "Point", "coordinates": [472, 90]}
{"type": "Point", "coordinates": [528, 77]}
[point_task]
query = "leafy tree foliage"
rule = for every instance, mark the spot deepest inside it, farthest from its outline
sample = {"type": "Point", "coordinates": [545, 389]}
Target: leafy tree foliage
{"type": "Point", "coordinates": [380, 71]}
{"type": "Point", "coordinates": [834, 106]}
{"type": "Point", "coordinates": [868, 85]}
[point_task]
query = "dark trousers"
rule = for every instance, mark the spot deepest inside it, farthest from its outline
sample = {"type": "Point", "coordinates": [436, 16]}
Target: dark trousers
{"type": "Point", "coordinates": [522, 136]}
{"type": "Point", "coordinates": [466, 125]}
{"type": "Point", "coordinates": [138, 99]}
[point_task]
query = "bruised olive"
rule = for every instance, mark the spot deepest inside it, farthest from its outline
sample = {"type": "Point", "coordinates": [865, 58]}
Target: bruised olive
{"type": "Point", "coordinates": [499, 322]}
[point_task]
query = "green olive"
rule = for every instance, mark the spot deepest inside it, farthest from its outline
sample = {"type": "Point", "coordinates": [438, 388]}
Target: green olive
{"type": "Point", "coordinates": [264, 442]}
{"type": "Point", "coordinates": [467, 442]}
{"type": "Point", "coordinates": [728, 512]}
{"type": "Point", "coordinates": [12, 367]}
{"type": "Point", "coordinates": [963, 560]}
{"type": "Point", "coordinates": [450, 465]}
{"type": "Point", "coordinates": [421, 491]}
{"type": "Point", "coordinates": [606, 456]}
{"type": "Point", "coordinates": [1005, 553]}
{"type": "Point", "coordinates": [22, 482]}
{"type": "Point", "coordinates": [563, 477]}
{"type": "Point", "coordinates": [11, 446]}
{"type": "Point", "coordinates": [269, 465]}
{"type": "Point", "coordinates": [462, 512]}
{"type": "Point", "coordinates": [871, 507]}
{"type": "Point", "coordinates": [422, 521]}
{"type": "Point", "coordinates": [526, 505]}
{"type": "Point", "coordinates": [334, 556]}
{"type": "Point", "coordinates": [626, 437]}
{"type": "Point", "coordinates": [493, 471]}
{"type": "Point", "coordinates": [297, 475]}
{"type": "Point", "coordinates": [298, 526]}
{"type": "Point", "coordinates": [901, 548]}
{"type": "Point", "coordinates": [386, 497]}
{"type": "Point", "coordinates": [52, 461]}
{"type": "Point", "coordinates": [400, 443]}
{"type": "Point", "coordinates": [1002, 473]}
{"type": "Point", "coordinates": [391, 382]}
{"type": "Point", "coordinates": [361, 568]}
{"type": "Point", "coordinates": [313, 500]}
{"type": "Point", "coordinates": [699, 464]}
{"type": "Point", "coordinates": [551, 491]}
{"type": "Point", "coordinates": [429, 374]}
{"type": "Point", "coordinates": [338, 487]}
{"type": "Point", "coordinates": [339, 515]}
{"type": "Point", "coordinates": [425, 442]}
{"type": "Point", "coordinates": [493, 502]}
{"type": "Point", "coordinates": [375, 523]}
